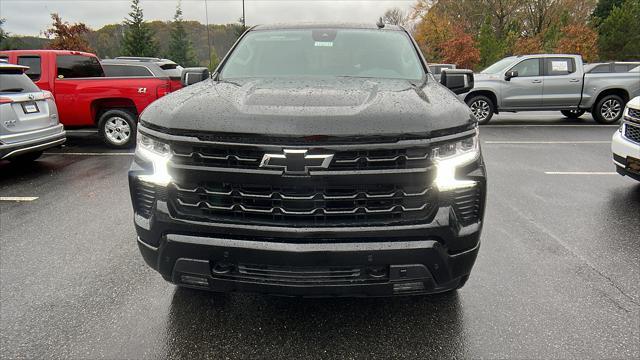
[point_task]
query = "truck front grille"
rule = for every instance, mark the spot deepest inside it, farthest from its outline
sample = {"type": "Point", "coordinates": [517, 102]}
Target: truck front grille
{"type": "Point", "coordinates": [632, 132]}
{"type": "Point", "coordinates": [335, 205]}
{"type": "Point", "coordinates": [250, 158]}
{"type": "Point", "coordinates": [634, 114]}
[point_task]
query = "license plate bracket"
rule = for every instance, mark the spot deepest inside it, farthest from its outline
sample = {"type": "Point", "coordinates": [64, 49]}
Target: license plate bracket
{"type": "Point", "coordinates": [30, 107]}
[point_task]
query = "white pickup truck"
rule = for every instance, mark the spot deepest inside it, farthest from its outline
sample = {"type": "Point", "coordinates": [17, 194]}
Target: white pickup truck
{"type": "Point", "coordinates": [550, 82]}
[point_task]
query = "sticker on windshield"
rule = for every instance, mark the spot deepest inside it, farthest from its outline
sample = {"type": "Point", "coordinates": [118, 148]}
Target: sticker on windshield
{"type": "Point", "coordinates": [559, 66]}
{"type": "Point", "coordinates": [324, 43]}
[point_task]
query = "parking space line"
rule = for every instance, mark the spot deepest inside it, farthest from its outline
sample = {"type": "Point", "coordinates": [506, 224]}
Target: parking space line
{"type": "Point", "coordinates": [580, 173]}
{"type": "Point", "coordinates": [18, 198]}
{"type": "Point", "coordinates": [548, 125]}
{"type": "Point", "coordinates": [91, 153]}
{"type": "Point", "coordinates": [516, 142]}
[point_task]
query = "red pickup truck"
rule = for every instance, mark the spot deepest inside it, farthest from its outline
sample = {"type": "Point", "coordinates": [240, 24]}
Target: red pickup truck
{"type": "Point", "coordinates": [85, 97]}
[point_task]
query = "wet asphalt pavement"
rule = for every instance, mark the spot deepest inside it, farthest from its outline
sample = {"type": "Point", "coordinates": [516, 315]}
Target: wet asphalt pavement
{"type": "Point", "coordinates": [557, 275]}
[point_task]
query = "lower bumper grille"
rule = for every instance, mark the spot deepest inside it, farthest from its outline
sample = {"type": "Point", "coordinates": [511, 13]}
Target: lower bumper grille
{"type": "Point", "coordinates": [632, 132]}
{"type": "Point", "coordinates": [344, 205]}
{"type": "Point", "coordinates": [281, 275]}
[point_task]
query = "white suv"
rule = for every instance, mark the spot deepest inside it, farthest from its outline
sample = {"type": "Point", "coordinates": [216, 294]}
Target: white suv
{"type": "Point", "coordinates": [626, 142]}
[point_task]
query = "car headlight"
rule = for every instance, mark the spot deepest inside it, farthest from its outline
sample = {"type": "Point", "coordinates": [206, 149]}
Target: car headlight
{"type": "Point", "coordinates": [448, 157]}
{"type": "Point", "coordinates": [158, 153]}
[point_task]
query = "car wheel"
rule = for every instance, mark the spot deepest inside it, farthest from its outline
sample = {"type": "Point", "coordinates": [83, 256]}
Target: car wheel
{"type": "Point", "coordinates": [572, 114]}
{"type": "Point", "coordinates": [117, 127]}
{"type": "Point", "coordinates": [482, 108]}
{"type": "Point", "coordinates": [25, 158]}
{"type": "Point", "coordinates": [608, 110]}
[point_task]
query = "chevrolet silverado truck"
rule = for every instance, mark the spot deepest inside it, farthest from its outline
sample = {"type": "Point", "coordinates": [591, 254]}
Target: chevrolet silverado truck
{"type": "Point", "coordinates": [550, 82]}
{"type": "Point", "coordinates": [319, 160]}
{"type": "Point", "coordinates": [85, 97]}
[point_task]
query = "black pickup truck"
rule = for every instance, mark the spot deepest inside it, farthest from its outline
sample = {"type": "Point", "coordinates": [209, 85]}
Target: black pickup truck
{"type": "Point", "coordinates": [318, 160]}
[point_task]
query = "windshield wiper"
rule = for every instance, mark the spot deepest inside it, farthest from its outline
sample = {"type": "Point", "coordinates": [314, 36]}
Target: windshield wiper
{"type": "Point", "coordinates": [12, 90]}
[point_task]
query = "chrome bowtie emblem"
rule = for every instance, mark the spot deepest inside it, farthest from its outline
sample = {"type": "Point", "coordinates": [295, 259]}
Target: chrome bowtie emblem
{"type": "Point", "coordinates": [296, 161]}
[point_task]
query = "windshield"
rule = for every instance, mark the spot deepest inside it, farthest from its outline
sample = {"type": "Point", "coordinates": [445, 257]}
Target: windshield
{"type": "Point", "coordinates": [324, 52]}
{"type": "Point", "coordinates": [499, 66]}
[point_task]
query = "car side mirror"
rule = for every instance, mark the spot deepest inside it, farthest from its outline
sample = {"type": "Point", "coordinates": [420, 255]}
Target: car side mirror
{"type": "Point", "coordinates": [510, 74]}
{"type": "Point", "coordinates": [194, 75]}
{"type": "Point", "coordinates": [457, 80]}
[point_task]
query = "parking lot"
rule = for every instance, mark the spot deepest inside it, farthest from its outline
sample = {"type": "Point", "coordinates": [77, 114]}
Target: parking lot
{"type": "Point", "coordinates": [557, 275]}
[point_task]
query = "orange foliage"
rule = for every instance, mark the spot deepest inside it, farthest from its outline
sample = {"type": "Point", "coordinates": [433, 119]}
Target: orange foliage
{"type": "Point", "coordinates": [528, 45]}
{"type": "Point", "coordinates": [579, 39]}
{"type": "Point", "coordinates": [461, 50]}
{"type": "Point", "coordinates": [66, 36]}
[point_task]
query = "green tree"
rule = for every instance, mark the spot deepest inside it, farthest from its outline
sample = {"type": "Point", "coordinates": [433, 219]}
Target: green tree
{"type": "Point", "coordinates": [603, 9]}
{"type": "Point", "coordinates": [180, 48]}
{"type": "Point", "coordinates": [620, 32]}
{"type": "Point", "coordinates": [215, 60]}
{"type": "Point", "coordinates": [138, 36]}
{"type": "Point", "coordinates": [3, 34]}
{"type": "Point", "coordinates": [491, 48]}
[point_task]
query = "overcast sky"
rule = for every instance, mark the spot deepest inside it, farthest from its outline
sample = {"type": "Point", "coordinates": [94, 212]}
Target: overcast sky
{"type": "Point", "coordinates": [30, 17]}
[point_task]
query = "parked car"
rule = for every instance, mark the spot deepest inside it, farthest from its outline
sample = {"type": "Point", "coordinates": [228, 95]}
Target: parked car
{"type": "Point", "coordinates": [626, 142]}
{"type": "Point", "coordinates": [85, 97]}
{"type": "Point", "coordinates": [320, 160]}
{"type": "Point", "coordinates": [550, 82]}
{"type": "Point", "coordinates": [436, 69]}
{"type": "Point", "coordinates": [28, 117]}
{"type": "Point", "coordinates": [610, 67]}
{"type": "Point", "coordinates": [130, 66]}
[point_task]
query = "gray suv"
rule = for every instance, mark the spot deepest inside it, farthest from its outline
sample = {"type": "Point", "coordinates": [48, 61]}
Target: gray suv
{"type": "Point", "coordinates": [28, 117]}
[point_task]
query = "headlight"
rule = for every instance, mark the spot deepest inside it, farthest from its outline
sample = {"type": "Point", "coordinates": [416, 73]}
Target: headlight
{"type": "Point", "coordinates": [449, 157]}
{"type": "Point", "coordinates": [158, 153]}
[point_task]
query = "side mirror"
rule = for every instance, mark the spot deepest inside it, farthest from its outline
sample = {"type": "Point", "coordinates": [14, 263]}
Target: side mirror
{"type": "Point", "coordinates": [510, 74]}
{"type": "Point", "coordinates": [194, 75]}
{"type": "Point", "coordinates": [456, 80]}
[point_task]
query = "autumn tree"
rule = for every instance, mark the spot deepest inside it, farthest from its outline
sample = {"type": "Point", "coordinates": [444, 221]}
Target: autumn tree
{"type": "Point", "coordinates": [620, 32]}
{"type": "Point", "coordinates": [579, 39]}
{"type": "Point", "coordinates": [431, 33]}
{"type": "Point", "coordinates": [138, 36]}
{"type": "Point", "coordinates": [180, 48]}
{"type": "Point", "coordinates": [461, 50]}
{"type": "Point", "coordinates": [67, 36]}
{"type": "Point", "coordinates": [528, 45]}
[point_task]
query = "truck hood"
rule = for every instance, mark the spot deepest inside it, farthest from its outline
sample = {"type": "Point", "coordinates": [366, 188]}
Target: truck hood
{"type": "Point", "coordinates": [311, 106]}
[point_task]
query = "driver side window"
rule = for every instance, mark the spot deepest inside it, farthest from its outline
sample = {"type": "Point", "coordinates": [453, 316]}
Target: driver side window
{"type": "Point", "coordinates": [529, 67]}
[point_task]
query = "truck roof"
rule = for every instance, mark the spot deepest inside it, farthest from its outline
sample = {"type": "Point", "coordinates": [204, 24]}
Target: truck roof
{"type": "Point", "coordinates": [41, 51]}
{"type": "Point", "coordinates": [325, 25]}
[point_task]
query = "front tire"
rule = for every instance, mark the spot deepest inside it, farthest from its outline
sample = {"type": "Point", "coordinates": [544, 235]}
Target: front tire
{"type": "Point", "coordinates": [572, 114]}
{"type": "Point", "coordinates": [608, 110]}
{"type": "Point", "coordinates": [482, 108]}
{"type": "Point", "coordinates": [117, 127]}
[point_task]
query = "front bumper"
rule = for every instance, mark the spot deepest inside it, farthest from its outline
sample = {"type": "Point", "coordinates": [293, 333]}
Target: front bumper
{"type": "Point", "coordinates": [373, 269]}
{"type": "Point", "coordinates": [37, 141]}
{"type": "Point", "coordinates": [623, 149]}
